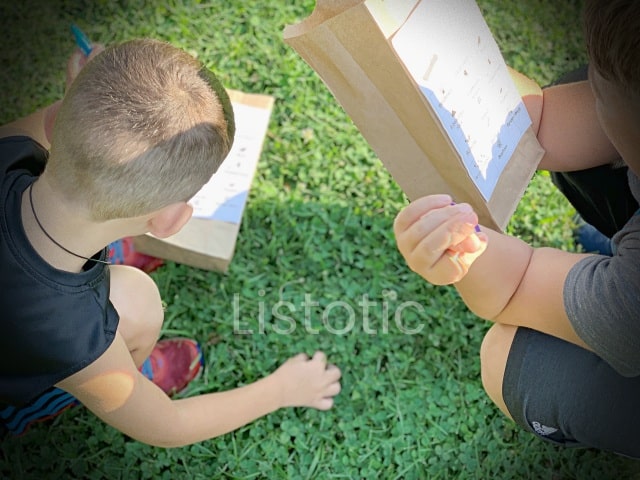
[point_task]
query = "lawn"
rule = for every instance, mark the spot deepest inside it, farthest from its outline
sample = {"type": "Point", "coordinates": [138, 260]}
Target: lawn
{"type": "Point", "coordinates": [316, 236]}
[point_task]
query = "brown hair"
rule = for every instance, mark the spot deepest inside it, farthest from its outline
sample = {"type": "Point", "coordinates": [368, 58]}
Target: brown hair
{"type": "Point", "coordinates": [143, 125]}
{"type": "Point", "coordinates": [612, 31]}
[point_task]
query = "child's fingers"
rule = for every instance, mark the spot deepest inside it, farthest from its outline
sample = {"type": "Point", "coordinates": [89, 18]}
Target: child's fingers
{"type": "Point", "coordinates": [320, 357]}
{"type": "Point", "coordinates": [333, 390]}
{"type": "Point", "coordinates": [416, 209]}
{"type": "Point", "coordinates": [301, 357]}
{"type": "Point", "coordinates": [432, 230]}
{"type": "Point", "coordinates": [446, 229]}
{"type": "Point", "coordinates": [428, 248]}
{"type": "Point", "coordinates": [78, 60]}
{"type": "Point", "coordinates": [469, 244]}
{"type": "Point", "coordinates": [333, 373]}
{"type": "Point", "coordinates": [461, 260]}
{"type": "Point", "coordinates": [324, 403]}
{"type": "Point", "coordinates": [449, 268]}
{"type": "Point", "coordinates": [443, 267]}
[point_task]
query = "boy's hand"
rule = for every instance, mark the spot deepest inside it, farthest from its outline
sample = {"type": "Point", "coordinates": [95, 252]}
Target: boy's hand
{"type": "Point", "coordinates": [437, 239]}
{"type": "Point", "coordinates": [77, 60]}
{"type": "Point", "coordinates": [308, 382]}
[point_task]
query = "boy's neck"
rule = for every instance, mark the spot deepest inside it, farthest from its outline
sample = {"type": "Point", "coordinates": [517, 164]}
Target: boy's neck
{"type": "Point", "coordinates": [69, 227]}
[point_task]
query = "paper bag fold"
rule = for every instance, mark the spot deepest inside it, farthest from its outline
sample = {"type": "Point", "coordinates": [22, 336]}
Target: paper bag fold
{"type": "Point", "coordinates": [345, 45]}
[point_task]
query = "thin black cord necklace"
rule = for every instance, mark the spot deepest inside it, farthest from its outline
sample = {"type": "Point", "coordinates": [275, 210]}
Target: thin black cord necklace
{"type": "Point", "coordinates": [33, 210]}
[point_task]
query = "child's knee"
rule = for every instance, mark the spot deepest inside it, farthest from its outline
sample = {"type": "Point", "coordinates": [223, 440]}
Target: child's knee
{"type": "Point", "coordinates": [136, 297]}
{"type": "Point", "coordinates": [494, 353]}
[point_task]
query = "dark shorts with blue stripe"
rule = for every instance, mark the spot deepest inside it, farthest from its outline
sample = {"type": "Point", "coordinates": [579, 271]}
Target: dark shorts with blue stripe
{"type": "Point", "coordinates": [53, 402]}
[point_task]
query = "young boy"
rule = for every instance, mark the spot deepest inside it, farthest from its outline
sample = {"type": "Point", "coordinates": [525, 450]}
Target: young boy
{"type": "Point", "coordinates": [563, 358]}
{"type": "Point", "coordinates": [140, 130]}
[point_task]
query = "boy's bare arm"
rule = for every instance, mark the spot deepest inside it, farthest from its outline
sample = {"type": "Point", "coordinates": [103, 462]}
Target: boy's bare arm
{"type": "Point", "coordinates": [499, 277]}
{"type": "Point", "coordinates": [515, 284]}
{"type": "Point", "coordinates": [565, 121]}
{"type": "Point", "coordinates": [38, 125]}
{"type": "Point", "coordinates": [115, 391]}
{"type": "Point", "coordinates": [570, 131]}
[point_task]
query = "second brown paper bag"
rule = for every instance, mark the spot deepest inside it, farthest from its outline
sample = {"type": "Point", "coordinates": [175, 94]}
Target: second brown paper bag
{"type": "Point", "coordinates": [349, 43]}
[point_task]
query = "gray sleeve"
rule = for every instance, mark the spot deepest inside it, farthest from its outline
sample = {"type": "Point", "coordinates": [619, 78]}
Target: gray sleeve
{"type": "Point", "coordinates": [602, 301]}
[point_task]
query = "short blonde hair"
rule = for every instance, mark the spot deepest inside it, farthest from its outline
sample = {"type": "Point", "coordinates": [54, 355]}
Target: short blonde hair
{"type": "Point", "coordinates": [143, 125]}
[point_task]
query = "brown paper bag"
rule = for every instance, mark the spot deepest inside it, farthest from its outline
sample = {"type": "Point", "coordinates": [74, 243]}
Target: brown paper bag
{"type": "Point", "coordinates": [209, 241]}
{"type": "Point", "coordinates": [350, 44]}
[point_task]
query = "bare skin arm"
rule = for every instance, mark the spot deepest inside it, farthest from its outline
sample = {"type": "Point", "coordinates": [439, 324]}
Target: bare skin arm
{"type": "Point", "coordinates": [114, 390]}
{"type": "Point", "coordinates": [565, 121]}
{"type": "Point", "coordinates": [515, 284]}
{"type": "Point", "coordinates": [38, 125]}
{"type": "Point", "coordinates": [570, 131]}
{"type": "Point", "coordinates": [499, 277]}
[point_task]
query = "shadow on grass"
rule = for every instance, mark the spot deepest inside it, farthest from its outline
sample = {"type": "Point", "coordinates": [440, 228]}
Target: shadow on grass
{"type": "Point", "coordinates": [412, 406]}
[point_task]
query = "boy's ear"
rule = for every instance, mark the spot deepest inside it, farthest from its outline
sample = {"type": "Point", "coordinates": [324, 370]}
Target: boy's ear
{"type": "Point", "coordinates": [170, 219]}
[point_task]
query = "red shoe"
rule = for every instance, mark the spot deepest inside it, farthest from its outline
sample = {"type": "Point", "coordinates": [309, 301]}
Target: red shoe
{"type": "Point", "coordinates": [173, 363]}
{"type": "Point", "coordinates": [121, 252]}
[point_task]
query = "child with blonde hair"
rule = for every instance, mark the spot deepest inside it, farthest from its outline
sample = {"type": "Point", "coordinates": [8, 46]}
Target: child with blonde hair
{"type": "Point", "coordinates": [141, 129]}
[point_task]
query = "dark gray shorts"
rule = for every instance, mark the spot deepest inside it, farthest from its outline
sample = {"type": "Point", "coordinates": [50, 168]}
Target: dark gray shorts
{"type": "Point", "coordinates": [570, 396]}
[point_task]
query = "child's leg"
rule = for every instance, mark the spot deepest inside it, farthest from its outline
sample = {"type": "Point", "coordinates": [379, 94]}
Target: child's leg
{"type": "Point", "coordinates": [171, 364]}
{"type": "Point", "coordinates": [560, 392]}
{"type": "Point", "coordinates": [136, 298]}
{"type": "Point", "coordinates": [600, 195]}
{"type": "Point", "coordinates": [493, 359]}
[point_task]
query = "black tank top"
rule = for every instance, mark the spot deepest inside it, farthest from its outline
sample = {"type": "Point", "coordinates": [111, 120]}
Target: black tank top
{"type": "Point", "coordinates": [52, 323]}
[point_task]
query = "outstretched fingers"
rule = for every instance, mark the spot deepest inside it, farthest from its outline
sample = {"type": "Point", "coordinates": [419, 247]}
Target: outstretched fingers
{"type": "Point", "coordinates": [319, 357]}
{"type": "Point", "coordinates": [332, 376]}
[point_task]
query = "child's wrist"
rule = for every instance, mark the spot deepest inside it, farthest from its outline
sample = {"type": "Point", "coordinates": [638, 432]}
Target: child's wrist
{"type": "Point", "coordinates": [275, 391]}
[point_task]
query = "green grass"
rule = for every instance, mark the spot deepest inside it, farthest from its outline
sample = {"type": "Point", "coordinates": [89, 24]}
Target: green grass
{"type": "Point", "coordinates": [318, 226]}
